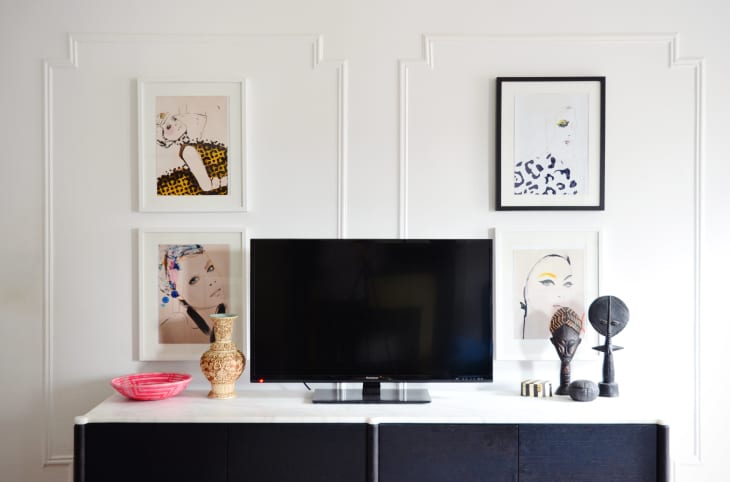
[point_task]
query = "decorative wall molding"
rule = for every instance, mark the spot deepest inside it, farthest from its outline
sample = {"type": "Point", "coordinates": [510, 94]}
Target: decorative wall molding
{"type": "Point", "coordinates": [72, 62]}
{"type": "Point", "coordinates": [342, 133]}
{"type": "Point", "coordinates": [403, 148]}
{"type": "Point", "coordinates": [48, 254]}
{"type": "Point", "coordinates": [671, 41]}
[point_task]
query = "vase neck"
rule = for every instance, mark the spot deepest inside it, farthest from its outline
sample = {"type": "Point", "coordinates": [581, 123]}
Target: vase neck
{"type": "Point", "coordinates": [223, 328]}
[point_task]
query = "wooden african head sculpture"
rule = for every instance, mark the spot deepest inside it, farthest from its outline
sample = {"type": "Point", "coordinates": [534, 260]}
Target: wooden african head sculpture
{"type": "Point", "coordinates": [565, 328]}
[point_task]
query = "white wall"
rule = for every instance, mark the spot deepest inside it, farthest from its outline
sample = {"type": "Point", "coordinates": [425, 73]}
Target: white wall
{"type": "Point", "coordinates": [364, 119]}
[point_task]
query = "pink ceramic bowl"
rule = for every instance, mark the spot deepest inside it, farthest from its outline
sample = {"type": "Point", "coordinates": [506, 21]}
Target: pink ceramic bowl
{"type": "Point", "coordinates": [151, 386]}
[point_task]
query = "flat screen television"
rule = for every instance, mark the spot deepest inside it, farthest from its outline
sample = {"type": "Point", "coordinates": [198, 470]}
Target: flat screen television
{"type": "Point", "coordinates": [371, 311]}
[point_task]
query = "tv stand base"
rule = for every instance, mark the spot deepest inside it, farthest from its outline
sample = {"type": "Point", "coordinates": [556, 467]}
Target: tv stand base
{"type": "Point", "coordinates": [410, 395]}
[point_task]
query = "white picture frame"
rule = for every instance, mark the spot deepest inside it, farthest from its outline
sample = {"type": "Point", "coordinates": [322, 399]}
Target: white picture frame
{"type": "Point", "coordinates": [527, 295]}
{"type": "Point", "coordinates": [167, 258]}
{"type": "Point", "coordinates": [191, 145]}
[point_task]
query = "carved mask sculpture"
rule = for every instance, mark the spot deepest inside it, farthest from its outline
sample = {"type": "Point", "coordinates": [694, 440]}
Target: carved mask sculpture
{"type": "Point", "coordinates": [565, 327]}
{"type": "Point", "coordinates": [608, 315]}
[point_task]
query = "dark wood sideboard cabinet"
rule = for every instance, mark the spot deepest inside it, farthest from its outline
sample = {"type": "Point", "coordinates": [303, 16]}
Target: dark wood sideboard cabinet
{"type": "Point", "coordinates": [344, 452]}
{"type": "Point", "coordinates": [279, 448]}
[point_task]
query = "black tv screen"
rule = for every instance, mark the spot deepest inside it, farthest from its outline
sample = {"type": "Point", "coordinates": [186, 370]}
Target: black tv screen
{"type": "Point", "coordinates": [342, 310]}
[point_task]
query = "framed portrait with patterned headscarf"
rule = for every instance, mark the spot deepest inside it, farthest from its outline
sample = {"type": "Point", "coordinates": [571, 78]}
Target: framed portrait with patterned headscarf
{"type": "Point", "coordinates": [184, 278]}
{"type": "Point", "coordinates": [191, 145]}
{"type": "Point", "coordinates": [540, 275]}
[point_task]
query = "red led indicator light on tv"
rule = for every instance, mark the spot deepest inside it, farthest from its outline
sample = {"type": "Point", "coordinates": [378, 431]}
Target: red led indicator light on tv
{"type": "Point", "coordinates": [261, 380]}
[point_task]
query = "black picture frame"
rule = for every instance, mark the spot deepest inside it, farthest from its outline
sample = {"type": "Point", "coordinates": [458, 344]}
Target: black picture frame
{"type": "Point", "coordinates": [550, 143]}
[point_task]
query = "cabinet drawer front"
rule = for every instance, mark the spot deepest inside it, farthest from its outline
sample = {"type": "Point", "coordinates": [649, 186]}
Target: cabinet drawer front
{"type": "Point", "coordinates": [590, 453]}
{"type": "Point", "coordinates": [299, 452]}
{"type": "Point", "coordinates": [151, 452]}
{"type": "Point", "coordinates": [447, 452]}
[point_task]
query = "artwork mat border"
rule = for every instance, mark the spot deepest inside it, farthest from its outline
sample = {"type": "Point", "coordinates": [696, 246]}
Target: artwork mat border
{"type": "Point", "coordinates": [507, 347]}
{"type": "Point", "coordinates": [507, 89]}
{"type": "Point", "coordinates": [147, 90]}
{"type": "Point", "coordinates": [149, 240]}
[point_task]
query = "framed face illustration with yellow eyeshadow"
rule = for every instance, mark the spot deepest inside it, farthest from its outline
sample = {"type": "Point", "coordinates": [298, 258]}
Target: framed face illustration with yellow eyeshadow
{"type": "Point", "coordinates": [537, 274]}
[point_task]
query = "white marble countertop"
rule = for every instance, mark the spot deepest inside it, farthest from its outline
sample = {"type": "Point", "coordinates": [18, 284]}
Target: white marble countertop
{"type": "Point", "coordinates": [493, 404]}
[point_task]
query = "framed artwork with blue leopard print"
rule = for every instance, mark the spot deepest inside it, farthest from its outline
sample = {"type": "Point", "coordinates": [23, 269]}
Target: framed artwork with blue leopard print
{"type": "Point", "coordinates": [550, 143]}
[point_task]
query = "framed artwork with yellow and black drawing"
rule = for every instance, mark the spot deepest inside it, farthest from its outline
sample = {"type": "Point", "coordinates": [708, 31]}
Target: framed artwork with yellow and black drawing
{"type": "Point", "coordinates": [191, 145]}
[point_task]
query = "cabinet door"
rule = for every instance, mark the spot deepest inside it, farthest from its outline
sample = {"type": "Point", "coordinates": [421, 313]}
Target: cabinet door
{"type": "Point", "coordinates": [447, 452]}
{"type": "Point", "coordinates": [142, 452]}
{"type": "Point", "coordinates": [279, 452]}
{"type": "Point", "coordinates": [588, 453]}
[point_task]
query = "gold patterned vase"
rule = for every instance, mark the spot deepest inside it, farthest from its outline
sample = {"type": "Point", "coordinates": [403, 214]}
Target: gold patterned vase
{"type": "Point", "coordinates": [223, 363]}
